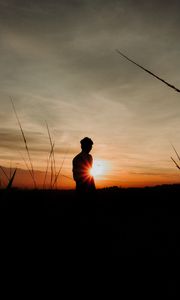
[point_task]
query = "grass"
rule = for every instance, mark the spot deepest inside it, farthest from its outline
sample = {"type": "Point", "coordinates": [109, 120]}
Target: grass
{"type": "Point", "coordinates": [136, 230]}
{"type": "Point", "coordinates": [176, 164]}
{"type": "Point", "coordinates": [115, 222]}
{"type": "Point", "coordinates": [54, 175]}
{"type": "Point", "coordinates": [127, 222]}
{"type": "Point", "coordinates": [31, 169]}
{"type": "Point", "coordinates": [51, 157]}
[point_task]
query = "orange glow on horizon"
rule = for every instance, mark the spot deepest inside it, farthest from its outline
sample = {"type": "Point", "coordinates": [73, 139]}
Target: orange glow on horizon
{"type": "Point", "coordinates": [105, 175]}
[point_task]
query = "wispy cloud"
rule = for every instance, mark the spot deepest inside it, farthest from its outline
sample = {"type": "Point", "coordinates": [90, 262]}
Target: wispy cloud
{"type": "Point", "coordinates": [58, 61]}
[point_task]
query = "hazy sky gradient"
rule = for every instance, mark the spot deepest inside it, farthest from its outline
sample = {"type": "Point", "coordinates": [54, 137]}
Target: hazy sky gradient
{"type": "Point", "coordinates": [59, 64]}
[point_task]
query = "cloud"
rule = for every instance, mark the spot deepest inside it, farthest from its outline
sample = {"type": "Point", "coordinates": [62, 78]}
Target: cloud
{"type": "Point", "coordinates": [58, 61]}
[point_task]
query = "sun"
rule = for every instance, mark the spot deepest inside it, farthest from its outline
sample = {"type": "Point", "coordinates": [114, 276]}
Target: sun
{"type": "Point", "coordinates": [98, 169]}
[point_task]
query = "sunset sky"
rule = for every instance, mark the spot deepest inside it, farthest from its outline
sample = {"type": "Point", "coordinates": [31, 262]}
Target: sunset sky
{"type": "Point", "coordinates": [58, 62]}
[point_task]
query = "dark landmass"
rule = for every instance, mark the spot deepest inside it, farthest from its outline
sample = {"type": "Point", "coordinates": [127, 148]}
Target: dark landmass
{"type": "Point", "coordinates": [119, 223]}
{"type": "Point", "coordinates": [122, 221]}
{"type": "Point", "coordinates": [128, 220]}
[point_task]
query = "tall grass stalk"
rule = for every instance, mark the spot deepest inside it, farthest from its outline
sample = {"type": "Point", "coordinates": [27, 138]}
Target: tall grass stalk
{"type": "Point", "coordinates": [56, 178]}
{"type": "Point", "coordinates": [25, 143]}
{"type": "Point", "coordinates": [2, 183]}
{"type": "Point", "coordinates": [176, 152]}
{"type": "Point", "coordinates": [11, 180]}
{"type": "Point", "coordinates": [175, 163]}
{"type": "Point", "coordinates": [48, 161]}
{"type": "Point", "coordinates": [4, 173]}
{"type": "Point", "coordinates": [29, 170]}
{"type": "Point", "coordinates": [53, 164]}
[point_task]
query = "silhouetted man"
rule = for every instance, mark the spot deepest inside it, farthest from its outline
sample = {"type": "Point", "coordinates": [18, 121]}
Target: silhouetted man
{"type": "Point", "coordinates": [82, 164]}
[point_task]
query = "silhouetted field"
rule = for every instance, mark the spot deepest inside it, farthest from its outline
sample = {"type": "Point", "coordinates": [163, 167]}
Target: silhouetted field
{"type": "Point", "coordinates": [143, 223]}
{"type": "Point", "coordinates": [121, 221]}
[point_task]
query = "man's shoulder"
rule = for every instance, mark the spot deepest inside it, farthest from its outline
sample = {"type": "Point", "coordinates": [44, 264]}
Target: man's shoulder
{"type": "Point", "coordinates": [82, 156]}
{"type": "Point", "coordinates": [77, 157]}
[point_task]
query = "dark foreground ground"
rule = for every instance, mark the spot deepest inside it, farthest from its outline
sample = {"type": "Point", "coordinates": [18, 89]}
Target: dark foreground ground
{"type": "Point", "coordinates": [132, 227]}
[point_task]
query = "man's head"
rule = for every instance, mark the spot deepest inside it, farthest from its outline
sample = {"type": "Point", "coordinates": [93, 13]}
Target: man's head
{"type": "Point", "coordinates": [86, 144]}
